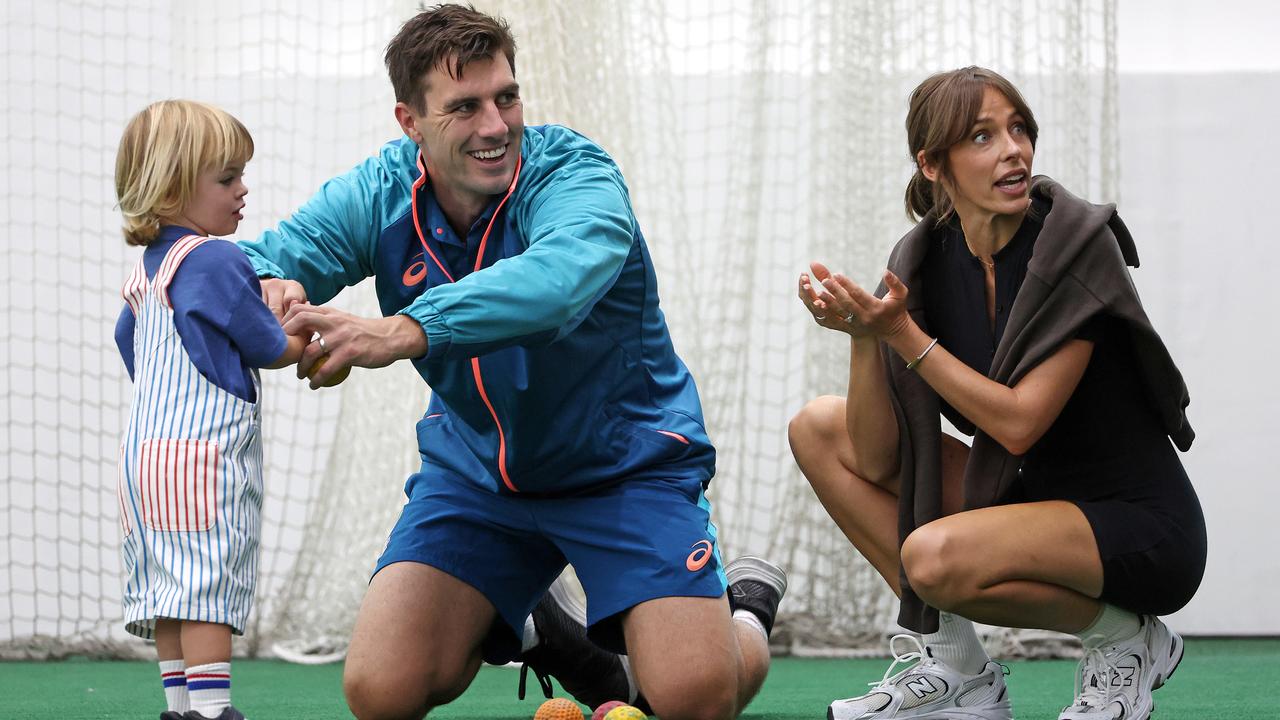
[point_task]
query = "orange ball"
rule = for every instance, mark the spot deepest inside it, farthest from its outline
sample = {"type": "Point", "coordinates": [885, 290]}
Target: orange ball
{"type": "Point", "coordinates": [337, 377]}
{"type": "Point", "coordinates": [558, 709]}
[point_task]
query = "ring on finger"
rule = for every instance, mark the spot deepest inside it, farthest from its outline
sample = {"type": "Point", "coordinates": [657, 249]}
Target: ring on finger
{"type": "Point", "coordinates": [848, 319]}
{"type": "Point", "coordinates": [320, 340]}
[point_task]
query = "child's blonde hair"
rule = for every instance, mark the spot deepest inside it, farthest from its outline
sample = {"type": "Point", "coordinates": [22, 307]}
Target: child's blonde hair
{"type": "Point", "coordinates": [164, 149]}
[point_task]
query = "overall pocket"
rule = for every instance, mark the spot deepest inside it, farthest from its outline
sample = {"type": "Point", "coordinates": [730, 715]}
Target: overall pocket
{"type": "Point", "coordinates": [179, 482]}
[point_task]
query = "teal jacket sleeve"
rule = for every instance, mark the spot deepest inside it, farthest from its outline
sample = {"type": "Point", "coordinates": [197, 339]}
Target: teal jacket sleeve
{"type": "Point", "coordinates": [329, 243]}
{"type": "Point", "coordinates": [578, 225]}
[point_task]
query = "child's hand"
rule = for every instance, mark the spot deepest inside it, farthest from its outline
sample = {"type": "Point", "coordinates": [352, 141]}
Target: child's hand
{"type": "Point", "coordinates": [280, 295]}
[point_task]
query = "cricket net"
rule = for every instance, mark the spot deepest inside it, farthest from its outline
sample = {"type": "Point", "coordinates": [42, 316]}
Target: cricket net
{"type": "Point", "coordinates": [755, 137]}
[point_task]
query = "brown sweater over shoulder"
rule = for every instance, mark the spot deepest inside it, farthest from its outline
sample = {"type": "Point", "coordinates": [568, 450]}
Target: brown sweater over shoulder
{"type": "Point", "coordinates": [1077, 270]}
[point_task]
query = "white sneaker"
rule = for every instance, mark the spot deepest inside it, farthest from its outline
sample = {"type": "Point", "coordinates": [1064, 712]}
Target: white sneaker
{"type": "Point", "coordinates": [1115, 682]}
{"type": "Point", "coordinates": [928, 689]}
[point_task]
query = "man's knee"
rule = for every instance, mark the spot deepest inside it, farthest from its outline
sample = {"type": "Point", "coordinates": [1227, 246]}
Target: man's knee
{"type": "Point", "coordinates": [371, 697]}
{"type": "Point", "coordinates": [378, 695]}
{"type": "Point", "coordinates": [709, 692]}
{"type": "Point", "coordinates": [938, 565]}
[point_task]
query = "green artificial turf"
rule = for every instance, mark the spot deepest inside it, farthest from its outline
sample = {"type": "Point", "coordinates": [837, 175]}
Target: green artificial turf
{"type": "Point", "coordinates": [1218, 680]}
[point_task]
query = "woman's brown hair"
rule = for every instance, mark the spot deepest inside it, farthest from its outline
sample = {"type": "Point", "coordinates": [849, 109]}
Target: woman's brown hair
{"type": "Point", "coordinates": [942, 110]}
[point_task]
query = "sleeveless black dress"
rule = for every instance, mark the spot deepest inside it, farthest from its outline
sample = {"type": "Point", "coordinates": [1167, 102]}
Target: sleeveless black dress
{"type": "Point", "coordinates": [1106, 452]}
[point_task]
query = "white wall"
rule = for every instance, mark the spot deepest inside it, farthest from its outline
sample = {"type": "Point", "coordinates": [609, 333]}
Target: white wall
{"type": "Point", "coordinates": [1199, 98]}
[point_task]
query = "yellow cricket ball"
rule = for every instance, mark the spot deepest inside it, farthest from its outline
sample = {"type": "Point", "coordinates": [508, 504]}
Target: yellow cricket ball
{"type": "Point", "coordinates": [337, 377]}
{"type": "Point", "coordinates": [625, 712]}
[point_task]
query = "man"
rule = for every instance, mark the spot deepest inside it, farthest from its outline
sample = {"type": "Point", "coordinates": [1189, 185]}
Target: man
{"type": "Point", "coordinates": [562, 426]}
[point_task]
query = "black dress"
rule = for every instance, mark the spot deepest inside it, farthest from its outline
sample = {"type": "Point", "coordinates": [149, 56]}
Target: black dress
{"type": "Point", "coordinates": [1106, 452]}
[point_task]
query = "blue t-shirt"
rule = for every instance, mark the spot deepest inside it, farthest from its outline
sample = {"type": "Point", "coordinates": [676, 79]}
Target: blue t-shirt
{"type": "Point", "coordinates": [225, 327]}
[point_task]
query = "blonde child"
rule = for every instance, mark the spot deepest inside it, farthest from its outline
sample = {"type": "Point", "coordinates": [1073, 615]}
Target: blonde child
{"type": "Point", "coordinates": [192, 333]}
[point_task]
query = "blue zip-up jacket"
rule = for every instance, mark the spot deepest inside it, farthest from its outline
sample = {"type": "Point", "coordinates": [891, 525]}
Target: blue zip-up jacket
{"type": "Point", "coordinates": [551, 365]}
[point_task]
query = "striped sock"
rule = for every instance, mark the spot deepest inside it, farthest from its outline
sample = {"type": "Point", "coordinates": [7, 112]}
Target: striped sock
{"type": "Point", "coordinates": [210, 688]}
{"type": "Point", "coordinates": [174, 678]}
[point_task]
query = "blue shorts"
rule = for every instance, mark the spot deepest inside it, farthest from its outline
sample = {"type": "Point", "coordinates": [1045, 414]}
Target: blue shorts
{"type": "Point", "coordinates": [630, 542]}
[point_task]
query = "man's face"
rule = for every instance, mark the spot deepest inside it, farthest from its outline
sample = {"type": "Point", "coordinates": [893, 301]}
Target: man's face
{"type": "Point", "coordinates": [469, 133]}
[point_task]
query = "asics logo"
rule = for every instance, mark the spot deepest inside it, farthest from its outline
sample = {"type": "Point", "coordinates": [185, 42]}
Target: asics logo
{"type": "Point", "coordinates": [921, 686]}
{"type": "Point", "coordinates": [699, 557]}
{"type": "Point", "coordinates": [415, 272]}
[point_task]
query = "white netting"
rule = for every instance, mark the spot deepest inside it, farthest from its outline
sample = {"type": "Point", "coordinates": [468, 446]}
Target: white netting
{"type": "Point", "coordinates": [754, 136]}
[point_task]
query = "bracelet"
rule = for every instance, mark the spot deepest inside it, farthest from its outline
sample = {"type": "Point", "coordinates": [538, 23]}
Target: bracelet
{"type": "Point", "coordinates": [912, 365]}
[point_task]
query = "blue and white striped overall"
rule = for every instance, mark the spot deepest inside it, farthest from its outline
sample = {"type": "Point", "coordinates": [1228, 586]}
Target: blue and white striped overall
{"type": "Point", "coordinates": [190, 481]}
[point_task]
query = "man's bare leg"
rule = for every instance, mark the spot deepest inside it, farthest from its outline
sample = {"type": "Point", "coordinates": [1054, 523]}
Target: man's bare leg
{"type": "Point", "coordinates": [416, 643]}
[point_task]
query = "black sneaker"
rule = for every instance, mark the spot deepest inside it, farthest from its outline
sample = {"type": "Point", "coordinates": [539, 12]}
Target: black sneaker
{"type": "Point", "coordinates": [228, 713]}
{"type": "Point", "coordinates": [589, 673]}
{"type": "Point", "coordinates": [170, 715]}
{"type": "Point", "coordinates": [756, 585]}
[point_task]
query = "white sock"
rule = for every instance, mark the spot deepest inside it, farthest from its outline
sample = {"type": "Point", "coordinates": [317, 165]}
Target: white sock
{"type": "Point", "coordinates": [174, 678]}
{"type": "Point", "coordinates": [956, 643]}
{"type": "Point", "coordinates": [210, 688]}
{"type": "Point", "coordinates": [748, 617]}
{"type": "Point", "coordinates": [530, 639]}
{"type": "Point", "coordinates": [1112, 624]}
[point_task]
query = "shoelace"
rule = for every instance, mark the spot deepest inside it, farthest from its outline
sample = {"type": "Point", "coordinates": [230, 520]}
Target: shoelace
{"type": "Point", "coordinates": [544, 681]}
{"type": "Point", "coordinates": [1094, 668]}
{"type": "Point", "coordinates": [913, 656]}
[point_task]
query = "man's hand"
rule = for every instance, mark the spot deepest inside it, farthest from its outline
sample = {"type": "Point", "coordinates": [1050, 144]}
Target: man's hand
{"type": "Point", "coordinates": [281, 295]}
{"type": "Point", "coordinates": [350, 340]}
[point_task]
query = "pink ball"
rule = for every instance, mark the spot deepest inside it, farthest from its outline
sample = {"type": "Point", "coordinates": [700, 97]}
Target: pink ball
{"type": "Point", "coordinates": [605, 708]}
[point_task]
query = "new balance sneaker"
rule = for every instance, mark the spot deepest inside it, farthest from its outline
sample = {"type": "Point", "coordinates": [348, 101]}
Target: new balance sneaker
{"type": "Point", "coordinates": [1115, 681]}
{"type": "Point", "coordinates": [756, 585]}
{"type": "Point", "coordinates": [928, 689]}
{"type": "Point", "coordinates": [586, 671]}
{"type": "Point", "coordinates": [228, 713]}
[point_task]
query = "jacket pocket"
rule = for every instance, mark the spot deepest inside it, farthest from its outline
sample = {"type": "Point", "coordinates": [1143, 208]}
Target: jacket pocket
{"type": "Point", "coordinates": [179, 482]}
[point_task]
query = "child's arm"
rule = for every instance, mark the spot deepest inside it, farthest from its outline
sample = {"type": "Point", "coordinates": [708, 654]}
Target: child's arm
{"type": "Point", "coordinates": [124, 337]}
{"type": "Point", "coordinates": [294, 345]}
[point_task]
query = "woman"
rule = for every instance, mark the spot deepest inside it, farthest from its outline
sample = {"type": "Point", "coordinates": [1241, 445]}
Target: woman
{"type": "Point", "coordinates": [1009, 310]}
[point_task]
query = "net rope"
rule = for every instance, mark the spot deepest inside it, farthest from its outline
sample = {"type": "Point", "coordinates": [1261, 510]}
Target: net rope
{"type": "Point", "coordinates": [755, 137]}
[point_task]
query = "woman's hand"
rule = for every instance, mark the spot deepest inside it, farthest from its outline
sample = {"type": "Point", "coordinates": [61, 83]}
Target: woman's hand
{"type": "Point", "coordinates": [827, 310]}
{"type": "Point", "coordinates": [883, 317]}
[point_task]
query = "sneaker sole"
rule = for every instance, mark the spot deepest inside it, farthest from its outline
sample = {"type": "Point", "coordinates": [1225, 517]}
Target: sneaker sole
{"type": "Point", "coordinates": [1000, 711]}
{"type": "Point", "coordinates": [1177, 648]}
{"type": "Point", "coordinates": [748, 567]}
{"type": "Point", "coordinates": [563, 592]}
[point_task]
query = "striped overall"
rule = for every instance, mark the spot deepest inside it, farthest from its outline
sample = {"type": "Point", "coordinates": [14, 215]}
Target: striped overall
{"type": "Point", "coordinates": [190, 479]}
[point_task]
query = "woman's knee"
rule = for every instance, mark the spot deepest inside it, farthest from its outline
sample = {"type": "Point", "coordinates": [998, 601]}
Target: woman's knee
{"type": "Point", "coordinates": [819, 423]}
{"type": "Point", "coordinates": [938, 565]}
